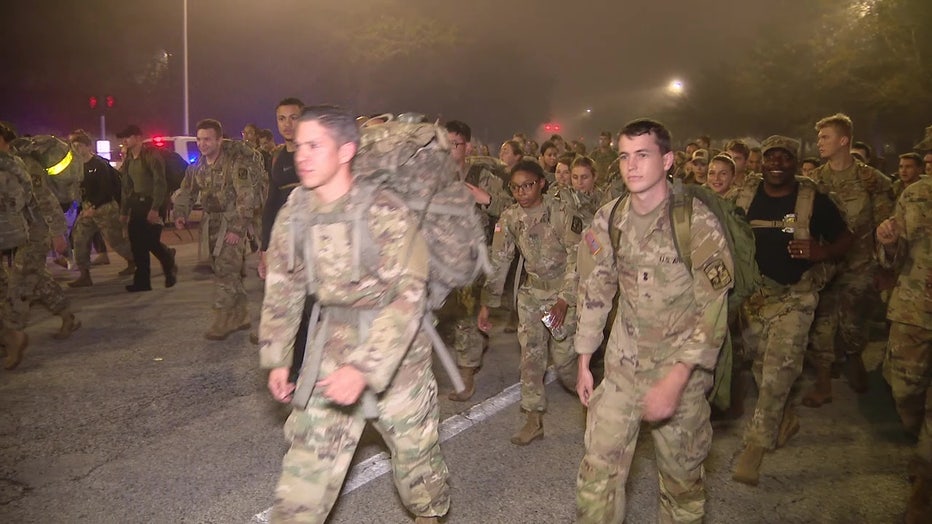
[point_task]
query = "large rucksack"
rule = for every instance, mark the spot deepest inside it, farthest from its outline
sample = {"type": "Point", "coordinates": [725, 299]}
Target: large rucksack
{"type": "Point", "coordinates": [15, 193]}
{"type": "Point", "coordinates": [410, 162]}
{"type": "Point", "coordinates": [740, 238]}
{"type": "Point", "coordinates": [63, 168]}
{"type": "Point", "coordinates": [175, 167]}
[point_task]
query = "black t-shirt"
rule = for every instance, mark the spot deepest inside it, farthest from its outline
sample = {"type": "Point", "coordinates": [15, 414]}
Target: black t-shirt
{"type": "Point", "coordinates": [773, 257]}
{"type": "Point", "coordinates": [101, 184]}
{"type": "Point", "coordinates": [282, 180]}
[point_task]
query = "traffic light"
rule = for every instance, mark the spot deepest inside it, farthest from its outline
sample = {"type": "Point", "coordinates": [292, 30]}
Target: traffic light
{"type": "Point", "coordinates": [110, 101]}
{"type": "Point", "coordinates": [552, 127]}
{"type": "Point", "coordinates": [92, 102]}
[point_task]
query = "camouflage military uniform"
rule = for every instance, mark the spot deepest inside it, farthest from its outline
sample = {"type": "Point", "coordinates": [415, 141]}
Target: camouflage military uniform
{"type": "Point", "coordinates": [603, 160]}
{"type": "Point", "coordinates": [395, 357]}
{"type": "Point", "coordinates": [16, 200]}
{"type": "Point", "coordinates": [468, 342]}
{"type": "Point", "coordinates": [845, 304]}
{"type": "Point", "coordinates": [666, 316]}
{"type": "Point", "coordinates": [226, 191]}
{"type": "Point", "coordinates": [100, 190]}
{"type": "Point", "coordinates": [548, 237]}
{"type": "Point", "coordinates": [30, 280]}
{"type": "Point", "coordinates": [908, 362]}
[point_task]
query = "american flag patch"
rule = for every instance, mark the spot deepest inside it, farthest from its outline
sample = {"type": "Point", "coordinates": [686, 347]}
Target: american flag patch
{"type": "Point", "coordinates": [594, 246]}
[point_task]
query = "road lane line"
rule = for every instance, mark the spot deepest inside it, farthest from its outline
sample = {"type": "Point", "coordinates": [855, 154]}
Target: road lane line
{"type": "Point", "coordinates": [378, 465]}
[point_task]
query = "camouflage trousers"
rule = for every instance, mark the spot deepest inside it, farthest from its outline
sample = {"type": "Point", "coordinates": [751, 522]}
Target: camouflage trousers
{"type": "Point", "coordinates": [681, 445]}
{"type": "Point", "coordinates": [907, 367]}
{"type": "Point", "coordinates": [468, 341]}
{"type": "Point", "coordinates": [777, 321]}
{"type": "Point", "coordinates": [228, 265]}
{"type": "Point", "coordinates": [105, 219]}
{"type": "Point", "coordinates": [538, 347]}
{"type": "Point", "coordinates": [324, 438]}
{"type": "Point", "coordinates": [841, 320]}
{"type": "Point", "coordinates": [30, 281]}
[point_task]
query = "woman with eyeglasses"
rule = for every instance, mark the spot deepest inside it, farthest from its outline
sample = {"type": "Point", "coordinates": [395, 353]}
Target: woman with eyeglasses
{"type": "Point", "coordinates": [547, 236]}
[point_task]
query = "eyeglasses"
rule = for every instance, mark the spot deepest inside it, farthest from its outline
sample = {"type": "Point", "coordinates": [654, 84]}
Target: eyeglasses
{"type": "Point", "coordinates": [520, 188]}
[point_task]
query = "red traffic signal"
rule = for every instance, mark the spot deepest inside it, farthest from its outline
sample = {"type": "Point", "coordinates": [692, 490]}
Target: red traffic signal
{"type": "Point", "coordinates": [92, 102]}
{"type": "Point", "coordinates": [552, 127]}
{"type": "Point", "coordinates": [110, 101]}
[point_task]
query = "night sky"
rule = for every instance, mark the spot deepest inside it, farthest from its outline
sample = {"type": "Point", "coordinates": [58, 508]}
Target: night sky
{"type": "Point", "coordinates": [501, 66]}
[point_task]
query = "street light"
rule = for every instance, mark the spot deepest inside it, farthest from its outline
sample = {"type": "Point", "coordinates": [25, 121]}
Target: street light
{"type": "Point", "coordinates": [676, 87]}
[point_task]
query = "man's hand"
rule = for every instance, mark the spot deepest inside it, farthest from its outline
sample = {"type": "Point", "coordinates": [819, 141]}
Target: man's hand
{"type": "Point", "coordinates": [231, 238]}
{"type": "Point", "coordinates": [558, 313]}
{"type": "Point", "coordinates": [584, 381]}
{"type": "Point", "coordinates": [153, 217]}
{"type": "Point", "coordinates": [343, 386]}
{"type": "Point", "coordinates": [483, 321]}
{"type": "Point", "coordinates": [483, 198]}
{"type": "Point", "coordinates": [807, 250]}
{"type": "Point", "coordinates": [180, 222]}
{"type": "Point", "coordinates": [279, 386]}
{"type": "Point", "coordinates": [888, 231]}
{"type": "Point", "coordinates": [60, 244]}
{"type": "Point", "coordinates": [262, 268]}
{"type": "Point", "coordinates": [662, 399]}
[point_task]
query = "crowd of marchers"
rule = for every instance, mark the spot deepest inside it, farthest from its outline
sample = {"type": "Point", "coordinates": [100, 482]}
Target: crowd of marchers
{"type": "Point", "coordinates": [653, 280]}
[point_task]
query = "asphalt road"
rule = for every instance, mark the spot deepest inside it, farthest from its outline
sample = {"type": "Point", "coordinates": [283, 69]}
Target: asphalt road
{"type": "Point", "coordinates": [138, 418]}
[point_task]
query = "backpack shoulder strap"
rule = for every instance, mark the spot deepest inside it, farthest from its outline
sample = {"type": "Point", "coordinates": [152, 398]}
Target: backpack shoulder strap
{"type": "Point", "coordinates": [805, 201]}
{"type": "Point", "coordinates": [681, 215]}
{"type": "Point", "coordinates": [747, 191]}
{"type": "Point", "coordinates": [613, 233]}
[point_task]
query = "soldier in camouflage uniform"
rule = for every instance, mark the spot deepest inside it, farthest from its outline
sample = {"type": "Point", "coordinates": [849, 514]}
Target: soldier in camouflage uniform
{"type": "Point", "coordinates": [16, 202]}
{"type": "Point", "coordinates": [840, 325]}
{"type": "Point", "coordinates": [492, 199]}
{"type": "Point", "coordinates": [909, 172]}
{"type": "Point", "coordinates": [906, 245]}
{"type": "Point", "coordinates": [542, 230]}
{"type": "Point", "coordinates": [392, 360]}
{"type": "Point", "coordinates": [30, 280]}
{"type": "Point", "coordinates": [100, 211]}
{"type": "Point", "coordinates": [603, 156]}
{"type": "Point", "coordinates": [790, 256]}
{"type": "Point", "coordinates": [664, 344]}
{"type": "Point", "coordinates": [222, 181]}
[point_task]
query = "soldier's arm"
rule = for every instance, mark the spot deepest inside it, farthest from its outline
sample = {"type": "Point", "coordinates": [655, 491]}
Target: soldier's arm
{"type": "Point", "coordinates": [882, 200]}
{"type": "Point", "coordinates": [713, 275]}
{"type": "Point", "coordinates": [283, 303]}
{"type": "Point", "coordinates": [403, 261]}
{"type": "Point", "coordinates": [183, 199]}
{"type": "Point", "coordinates": [47, 201]}
{"type": "Point", "coordinates": [893, 256]}
{"type": "Point", "coordinates": [598, 290]}
{"type": "Point", "coordinates": [159, 182]}
{"type": "Point", "coordinates": [570, 240]}
{"type": "Point", "coordinates": [500, 255]}
{"type": "Point", "coordinates": [126, 190]}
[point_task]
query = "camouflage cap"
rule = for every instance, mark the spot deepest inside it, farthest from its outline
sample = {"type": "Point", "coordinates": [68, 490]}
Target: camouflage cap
{"type": "Point", "coordinates": [926, 144]}
{"type": "Point", "coordinates": [786, 143]}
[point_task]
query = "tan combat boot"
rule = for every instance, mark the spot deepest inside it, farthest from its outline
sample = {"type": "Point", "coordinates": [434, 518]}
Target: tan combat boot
{"type": "Point", "coordinates": [220, 329]}
{"type": "Point", "coordinates": [82, 281]}
{"type": "Point", "coordinates": [129, 269]}
{"type": "Point", "coordinates": [789, 426]}
{"type": "Point", "coordinates": [69, 324]}
{"type": "Point", "coordinates": [533, 429]}
{"type": "Point", "coordinates": [15, 342]}
{"type": "Point", "coordinates": [821, 392]}
{"type": "Point", "coordinates": [469, 381]}
{"type": "Point", "coordinates": [857, 375]}
{"type": "Point", "coordinates": [747, 467]}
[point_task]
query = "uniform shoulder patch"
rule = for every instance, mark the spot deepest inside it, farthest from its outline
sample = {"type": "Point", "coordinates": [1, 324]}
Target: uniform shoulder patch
{"type": "Point", "coordinates": [717, 273]}
{"type": "Point", "coordinates": [498, 227]}
{"type": "Point", "coordinates": [592, 242]}
{"type": "Point", "coordinates": [577, 225]}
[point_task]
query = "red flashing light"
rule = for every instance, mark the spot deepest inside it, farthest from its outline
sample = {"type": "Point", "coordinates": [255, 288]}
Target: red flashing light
{"type": "Point", "coordinates": [92, 102]}
{"type": "Point", "coordinates": [158, 141]}
{"type": "Point", "coordinates": [551, 127]}
{"type": "Point", "coordinates": [110, 101]}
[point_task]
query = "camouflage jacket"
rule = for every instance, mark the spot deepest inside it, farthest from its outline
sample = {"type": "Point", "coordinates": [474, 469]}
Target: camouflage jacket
{"type": "Point", "coordinates": [665, 313]}
{"type": "Point", "coordinates": [911, 300]}
{"type": "Point", "coordinates": [16, 201]}
{"type": "Point", "coordinates": [866, 197]}
{"type": "Point", "coordinates": [223, 187]}
{"type": "Point", "coordinates": [493, 185]}
{"type": "Point", "coordinates": [603, 161]}
{"type": "Point", "coordinates": [548, 240]}
{"type": "Point", "coordinates": [395, 287]}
